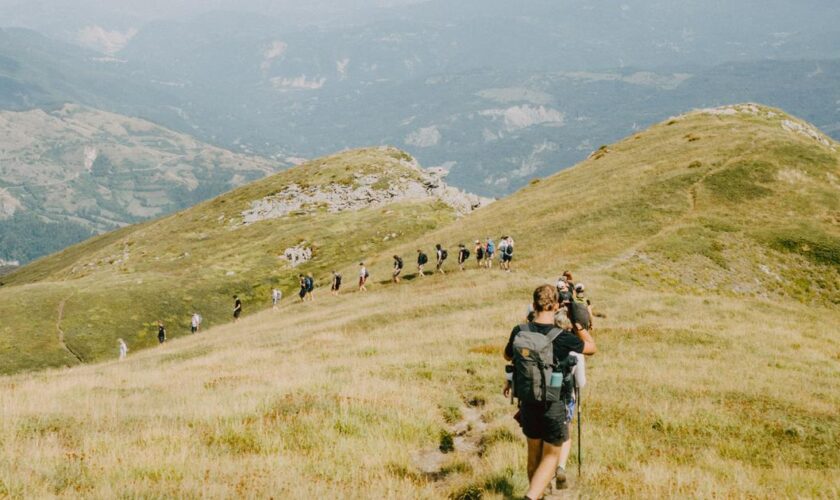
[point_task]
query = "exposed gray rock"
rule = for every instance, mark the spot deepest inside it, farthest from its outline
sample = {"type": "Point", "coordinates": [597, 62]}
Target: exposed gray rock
{"type": "Point", "coordinates": [335, 197]}
{"type": "Point", "coordinates": [807, 131]}
{"type": "Point", "coordinates": [297, 255]}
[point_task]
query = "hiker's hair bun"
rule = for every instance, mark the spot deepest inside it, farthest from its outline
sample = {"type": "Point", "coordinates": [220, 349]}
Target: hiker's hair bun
{"type": "Point", "coordinates": [545, 297]}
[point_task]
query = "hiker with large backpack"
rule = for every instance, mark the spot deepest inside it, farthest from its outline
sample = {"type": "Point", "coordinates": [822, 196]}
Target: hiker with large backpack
{"type": "Point", "coordinates": [309, 281]}
{"type": "Point", "coordinates": [463, 255]}
{"type": "Point", "coordinates": [479, 253]}
{"type": "Point", "coordinates": [506, 252]}
{"type": "Point", "coordinates": [441, 255]}
{"type": "Point", "coordinates": [541, 368]}
{"type": "Point", "coordinates": [422, 260]}
{"type": "Point", "coordinates": [580, 296]}
{"type": "Point", "coordinates": [398, 267]}
{"type": "Point", "coordinates": [489, 251]}
{"type": "Point", "coordinates": [237, 308]}
{"type": "Point", "coordinates": [580, 309]}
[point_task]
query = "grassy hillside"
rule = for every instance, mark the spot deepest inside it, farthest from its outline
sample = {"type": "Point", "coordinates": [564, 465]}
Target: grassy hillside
{"type": "Point", "coordinates": [700, 387]}
{"type": "Point", "coordinates": [76, 303]}
{"type": "Point", "coordinates": [741, 201]}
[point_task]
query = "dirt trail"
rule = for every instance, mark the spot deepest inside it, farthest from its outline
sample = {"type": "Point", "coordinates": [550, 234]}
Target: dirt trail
{"type": "Point", "coordinates": [466, 434]}
{"type": "Point", "coordinates": [61, 332]}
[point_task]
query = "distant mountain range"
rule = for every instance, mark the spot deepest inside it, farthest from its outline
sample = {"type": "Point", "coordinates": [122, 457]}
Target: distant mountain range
{"type": "Point", "coordinates": [495, 93]}
{"type": "Point", "coordinates": [68, 173]}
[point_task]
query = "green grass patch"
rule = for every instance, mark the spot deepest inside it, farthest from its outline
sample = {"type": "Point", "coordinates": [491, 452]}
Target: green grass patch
{"type": "Point", "coordinates": [806, 240]}
{"type": "Point", "coordinates": [742, 181]}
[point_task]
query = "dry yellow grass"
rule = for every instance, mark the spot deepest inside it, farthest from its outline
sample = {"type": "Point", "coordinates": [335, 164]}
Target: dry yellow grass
{"type": "Point", "coordinates": [688, 397]}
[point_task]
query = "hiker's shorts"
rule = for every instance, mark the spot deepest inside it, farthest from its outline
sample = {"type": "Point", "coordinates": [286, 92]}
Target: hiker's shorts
{"type": "Point", "coordinates": [547, 422]}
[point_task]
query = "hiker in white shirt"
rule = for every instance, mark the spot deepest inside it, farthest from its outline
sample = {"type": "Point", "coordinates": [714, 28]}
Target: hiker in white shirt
{"type": "Point", "coordinates": [363, 276]}
{"type": "Point", "coordinates": [276, 295]}
{"type": "Point", "coordinates": [123, 349]}
{"type": "Point", "coordinates": [195, 322]}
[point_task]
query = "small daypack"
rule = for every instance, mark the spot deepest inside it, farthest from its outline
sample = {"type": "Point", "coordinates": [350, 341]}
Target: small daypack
{"type": "Point", "coordinates": [466, 254]}
{"type": "Point", "coordinates": [444, 254]}
{"type": "Point", "coordinates": [509, 250]}
{"type": "Point", "coordinates": [309, 284]}
{"type": "Point", "coordinates": [422, 259]}
{"type": "Point", "coordinates": [367, 274]}
{"type": "Point", "coordinates": [479, 254]}
{"type": "Point", "coordinates": [490, 247]}
{"type": "Point", "coordinates": [533, 364]}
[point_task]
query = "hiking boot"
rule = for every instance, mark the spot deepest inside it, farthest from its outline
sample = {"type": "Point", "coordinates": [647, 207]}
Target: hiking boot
{"type": "Point", "coordinates": [560, 479]}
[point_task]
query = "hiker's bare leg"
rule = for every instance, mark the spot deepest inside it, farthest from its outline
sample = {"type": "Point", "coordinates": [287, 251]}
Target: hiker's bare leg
{"type": "Point", "coordinates": [545, 470]}
{"type": "Point", "coordinates": [565, 451]}
{"type": "Point", "coordinates": [534, 456]}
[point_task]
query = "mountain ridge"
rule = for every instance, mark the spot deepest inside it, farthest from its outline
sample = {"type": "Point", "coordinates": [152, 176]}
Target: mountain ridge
{"type": "Point", "coordinates": [684, 205]}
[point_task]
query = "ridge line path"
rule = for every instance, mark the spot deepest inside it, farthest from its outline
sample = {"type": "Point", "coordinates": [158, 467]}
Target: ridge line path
{"type": "Point", "coordinates": [677, 224]}
{"type": "Point", "coordinates": [61, 332]}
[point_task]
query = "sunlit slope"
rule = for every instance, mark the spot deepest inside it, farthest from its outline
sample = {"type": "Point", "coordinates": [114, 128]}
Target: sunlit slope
{"type": "Point", "coordinates": [741, 200]}
{"type": "Point", "coordinates": [713, 394]}
{"type": "Point", "coordinates": [351, 397]}
{"type": "Point", "coordinates": [119, 284]}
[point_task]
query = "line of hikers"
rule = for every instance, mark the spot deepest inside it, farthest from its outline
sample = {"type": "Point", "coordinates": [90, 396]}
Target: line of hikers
{"type": "Point", "coordinates": [546, 373]}
{"type": "Point", "coordinates": [484, 255]}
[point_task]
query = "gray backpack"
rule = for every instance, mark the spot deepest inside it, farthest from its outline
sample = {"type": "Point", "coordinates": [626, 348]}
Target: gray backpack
{"type": "Point", "coordinates": [533, 364]}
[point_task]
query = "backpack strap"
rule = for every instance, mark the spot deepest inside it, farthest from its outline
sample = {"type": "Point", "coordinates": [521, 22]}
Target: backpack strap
{"type": "Point", "coordinates": [553, 334]}
{"type": "Point", "coordinates": [524, 327]}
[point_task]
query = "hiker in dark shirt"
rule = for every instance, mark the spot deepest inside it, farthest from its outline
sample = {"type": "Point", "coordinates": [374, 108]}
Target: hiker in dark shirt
{"type": "Point", "coordinates": [310, 287]}
{"type": "Point", "coordinates": [303, 287]}
{"type": "Point", "coordinates": [479, 253]}
{"type": "Point", "coordinates": [161, 333]}
{"type": "Point", "coordinates": [440, 255]}
{"type": "Point", "coordinates": [546, 424]}
{"type": "Point", "coordinates": [237, 308]}
{"type": "Point", "coordinates": [463, 255]}
{"type": "Point", "coordinates": [336, 283]}
{"type": "Point", "coordinates": [422, 259]}
{"type": "Point", "coordinates": [398, 267]}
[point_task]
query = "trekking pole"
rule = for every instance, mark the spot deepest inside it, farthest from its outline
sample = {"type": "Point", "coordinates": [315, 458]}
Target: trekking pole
{"type": "Point", "coordinates": [580, 435]}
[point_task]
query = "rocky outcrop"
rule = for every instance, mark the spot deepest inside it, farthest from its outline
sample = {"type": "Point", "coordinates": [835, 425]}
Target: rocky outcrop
{"type": "Point", "coordinates": [789, 124]}
{"type": "Point", "coordinates": [366, 191]}
{"type": "Point", "coordinates": [807, 131]}
{"type": "Point", "coordinates": [297, 255]}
